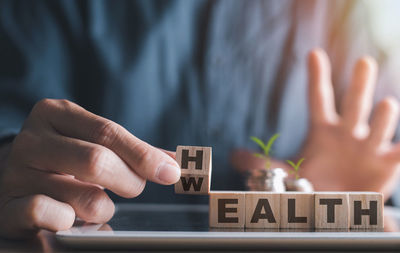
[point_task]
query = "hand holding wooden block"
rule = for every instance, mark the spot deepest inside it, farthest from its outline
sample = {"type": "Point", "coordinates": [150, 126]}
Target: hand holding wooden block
{"type": "Point", "coordinates": [195, 163]}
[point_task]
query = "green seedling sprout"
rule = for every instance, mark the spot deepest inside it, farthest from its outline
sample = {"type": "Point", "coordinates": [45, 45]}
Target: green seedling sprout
{"type": "Point", "coordinates": [296, 167]}
{"type": "Point", "coordinates": [266, 149]}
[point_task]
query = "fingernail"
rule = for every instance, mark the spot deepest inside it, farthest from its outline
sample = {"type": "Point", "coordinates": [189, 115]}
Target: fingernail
{"type": "Point", "coordinates": [168, 173]}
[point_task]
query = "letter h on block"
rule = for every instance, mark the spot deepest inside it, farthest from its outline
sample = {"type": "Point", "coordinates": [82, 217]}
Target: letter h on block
{"type": "Point", "coordinates": [195, 163]}
{"type": "Point", "coordinates": [366, 210]}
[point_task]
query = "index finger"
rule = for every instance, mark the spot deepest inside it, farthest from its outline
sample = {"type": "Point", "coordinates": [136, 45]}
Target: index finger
{"type": "Point", "coordinates": [71, 120]}
{"type": "Point", "coordinates": [321, 97]}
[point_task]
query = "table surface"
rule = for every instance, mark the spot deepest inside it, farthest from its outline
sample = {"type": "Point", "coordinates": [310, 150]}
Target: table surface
{"type": "Point", "coordinates": [45, 241]}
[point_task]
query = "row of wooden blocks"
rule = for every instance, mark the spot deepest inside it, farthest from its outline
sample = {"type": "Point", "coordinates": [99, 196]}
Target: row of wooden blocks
{"type": "Point", "coordinates": [275, 210]}
{"type": "Point", "coordinates": [337, 210]}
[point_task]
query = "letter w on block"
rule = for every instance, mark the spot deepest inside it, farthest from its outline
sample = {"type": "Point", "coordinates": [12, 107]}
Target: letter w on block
{"type": "Point", "coordinates": [195, 163]}
{"type": "Point", "coordinates": [191, 181]}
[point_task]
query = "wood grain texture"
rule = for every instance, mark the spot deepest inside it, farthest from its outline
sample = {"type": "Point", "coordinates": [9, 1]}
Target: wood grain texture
{"type": "Point", "coordinates": [366, 210]}
{"type": "Point", "coordinates": [193, 184]}
{"type": "Point", "coordinates": [297, 210]}
{"type": "Point", "coordinates": [194, 160]}
{"type": "Point", "coordinates": [332, 210]}
{"type": "Point", "coordinates": [262, 210]}
{"type": "Point", "coordinates": [227, 209]}
{"type": "Point", "coordinates": [195, 163]}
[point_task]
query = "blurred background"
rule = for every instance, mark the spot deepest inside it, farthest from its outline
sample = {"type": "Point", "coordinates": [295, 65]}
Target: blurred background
{"type": "Point", "coordinates": [190, 72]}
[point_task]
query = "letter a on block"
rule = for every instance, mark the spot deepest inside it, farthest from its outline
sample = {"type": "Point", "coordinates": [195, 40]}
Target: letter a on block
{"type": "Point", "coordinates": [262, 210]}
{"type": "Point", "coordinates": [195, 163]}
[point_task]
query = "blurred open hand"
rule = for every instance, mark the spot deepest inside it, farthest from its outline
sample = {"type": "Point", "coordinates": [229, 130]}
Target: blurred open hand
{"type": "Point", "coordinates": [344, 151]}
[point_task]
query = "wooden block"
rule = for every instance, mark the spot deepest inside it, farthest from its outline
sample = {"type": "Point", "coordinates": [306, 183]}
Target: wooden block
{"type": "Point", "coordinates": [194, 160]}
{"type": "Point", "coordinates": [366, 210]}
{"type": "Point", "coordinates": [262, 210]}
{"type": "Point", "coordinates": [193, 184]}
{"type": "Point", "coordinates": [226, 229]}
{"type": "Point", "coordinates": [331, 230]}
{"type": "Point", "coordinates": [332, 210]}
{"type": "Point", "coordinates": [195, 163]}
{"type": "Point", "coordinates": [276, 230]}
{"type": "Point", "coordinates": [297, 210]}
{"type": "Point", "coordinates": [227, 209]}
{"type": "Point", "coordinates": [291, 230]}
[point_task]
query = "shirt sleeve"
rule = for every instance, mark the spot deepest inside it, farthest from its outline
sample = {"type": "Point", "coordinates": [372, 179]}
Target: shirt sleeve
{"type": "Point", "coordinates": [14, 101]}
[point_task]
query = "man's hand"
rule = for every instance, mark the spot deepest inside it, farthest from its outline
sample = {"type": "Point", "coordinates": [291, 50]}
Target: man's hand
{"type": "Point", "coordinates": [60, 162]}
{"type": "Point", "coordinates": [343, 151]}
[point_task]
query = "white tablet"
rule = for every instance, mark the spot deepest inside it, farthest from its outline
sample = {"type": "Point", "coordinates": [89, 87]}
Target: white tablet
{"type": "Point", "coordinates": [152, 226]}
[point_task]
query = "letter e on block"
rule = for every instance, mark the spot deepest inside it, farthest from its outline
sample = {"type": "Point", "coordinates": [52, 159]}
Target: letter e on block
{"type": "Point", "coordinates": [227, 209]}
{"type": "Point", "coordinates": [366, 210]}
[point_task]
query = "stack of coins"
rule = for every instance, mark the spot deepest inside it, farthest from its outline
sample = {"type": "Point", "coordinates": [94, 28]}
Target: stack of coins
{"type": "Point", "coordinates": [266, 180]}
{"type": "Point", "coordinates": [300, 185]}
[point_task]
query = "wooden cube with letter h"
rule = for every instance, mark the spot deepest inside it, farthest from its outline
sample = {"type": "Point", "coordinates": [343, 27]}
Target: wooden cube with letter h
{"type": "Point", "coordinates": [366, 210]}
{"type": "Point", "coordinates": [195, 163]}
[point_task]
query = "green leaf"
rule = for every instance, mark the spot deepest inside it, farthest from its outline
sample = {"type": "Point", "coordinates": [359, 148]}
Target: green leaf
{"type": "Point", "coordinates": [299, 163]}
{"type": "Point", "coordinates": [259, 155]}
{"type": "Point", "coordinates": [269, 144]}
{"type": "Point", "coordinates": [259, 142]}
{"type": "Point", "coordinates": [292, 164]}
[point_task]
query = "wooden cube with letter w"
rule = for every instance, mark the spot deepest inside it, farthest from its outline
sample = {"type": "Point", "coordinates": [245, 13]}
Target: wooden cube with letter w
{"type": "Point", "coordinates": [195, 163]}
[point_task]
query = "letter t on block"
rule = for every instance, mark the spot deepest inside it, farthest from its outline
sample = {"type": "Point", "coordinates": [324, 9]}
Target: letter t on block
{"type": "Point", "coordinates": [195, 163]}
{"type": "Point", "coordinates": [366, 210]}
{"type": "Point", "coordinates": [332, 210]}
